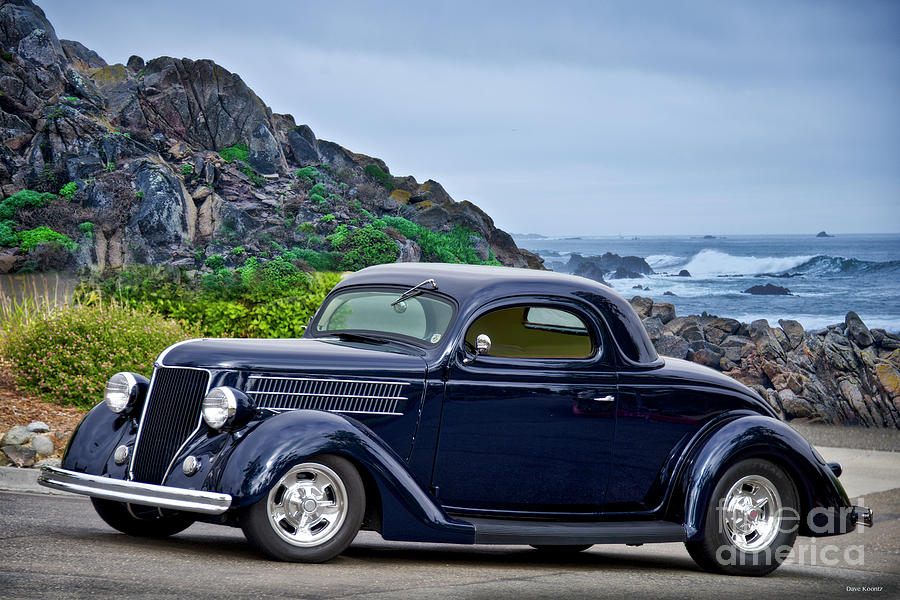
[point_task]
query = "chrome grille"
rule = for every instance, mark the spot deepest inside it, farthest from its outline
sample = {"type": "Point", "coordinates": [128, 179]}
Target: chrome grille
{"type": "Point", "coordinates": [336, 395]}
{"type": "Point", "coordinates": [171, 414]}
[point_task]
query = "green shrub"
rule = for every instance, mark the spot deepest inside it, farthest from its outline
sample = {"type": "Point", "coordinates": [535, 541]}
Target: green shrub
{"type": "Point", "coordinates": [320, 200]}
{"type": "Point", "coordinates": [87, 229]}
{"type": "Point", "coordinates": [254, 177]}
{"type": "Point", "coordinates": [375, 172]}
{"type": "Point", "coordinates": [68, 191]}
{"type": "Point", "coordinates": [318, 189]}
{"type": "Point", "coordinates": [308, 173]}
{"type": "Point", "coordinates": [215, 262]}
{"type": "Point", "coordinates": [237, 250]}
{"type": "Point", "coordinates": [454, 246]}
{"type": "Point", "coordinates": [306, 228]}
{"type": "Point", "coordinates": [239, 151]}
{"type": "Point", "coordinates": [29, 240]}
{"type": "Point", "coordinates": [69, 356]}
{"type": "Point", "coordinates": [10, 206]}
{"type": "Point", "coordinates": [139, 194]}
{"type": "Point", "coordinates": [7, 56]}
{"type": "Point", "coordinates": [320, 261]}
{"type": "Point", "coordinates": [328, 218]}
{"type": "Point", "coordinates": [336, 239]}
{"type": "Point", "coordinates": [365, 247]}
{"type": "Point", "coordinates": [110, 166]}
{"type": "Point", "coordinates": [8, 235]}
{"type": "Point", "coordinates": [187, 169]}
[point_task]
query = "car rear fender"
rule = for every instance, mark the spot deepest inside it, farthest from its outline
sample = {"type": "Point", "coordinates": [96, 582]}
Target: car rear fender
{"type": "Point", "coordinates": [756, 436]}
{"type": "Point", "coordinates": [269, 449]}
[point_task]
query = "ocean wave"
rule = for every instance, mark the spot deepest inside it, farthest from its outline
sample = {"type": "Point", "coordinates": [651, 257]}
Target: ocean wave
{"type": "Point", "coordinates": [712, 263]}
{"type": "Point", "coordinates": [833, 265]}
{"type": "Point", "coordinates": [662, 261]}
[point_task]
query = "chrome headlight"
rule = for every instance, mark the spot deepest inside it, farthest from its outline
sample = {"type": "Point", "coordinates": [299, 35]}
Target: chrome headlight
{"type": "Point", "coordinates": [125, 391]}
{"type": "Point", "coordinates": [226, 407]}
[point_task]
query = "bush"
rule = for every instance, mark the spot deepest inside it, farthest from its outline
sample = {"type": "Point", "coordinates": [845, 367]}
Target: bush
{"type": "Point", "coordinates": [320, 200]}
{"type": "Point", "coordinates": [69, 356]}
{"type": "Point", "coordinates": [239, 151]}
{"type": "Point", "coordinates": [87, 229]}
{"type": "Point", "coordinates": [10, 206]}
{"type": "Point", "coordinates": [28, 240]}
{"type": "Point", "coordinates": [310, 174]}
{"type": "Point", "coordinates": [454, 246]}
{"type": "Point", "coordinates": [256, 300]}
{"type": "Point", "coordinates": [253, 175]}
{"type": "Point", "coordinates": [68, 191]}
{"type": "Point", "coordinates": [187, 169]}
{"type": "Point", "coordinates": [8, 235]}
{"type": "Point", "coordinates": [375, 172]}
{"type": "Point", "coordinates": [365, 247]}
{"type": "Point", "coordinates": [320, 261]}
{"type": "Point", "coordinates": [215, 262]}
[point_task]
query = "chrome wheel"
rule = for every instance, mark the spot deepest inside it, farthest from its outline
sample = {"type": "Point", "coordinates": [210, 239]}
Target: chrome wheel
{"type": "Point", "coordinates": [308, 505]}
{"type": "Point", "coordinates": [751, 513]}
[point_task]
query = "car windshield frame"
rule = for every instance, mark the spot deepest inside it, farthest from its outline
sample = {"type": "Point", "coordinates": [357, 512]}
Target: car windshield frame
{"type": "Point", "coordinates": [398, 289]}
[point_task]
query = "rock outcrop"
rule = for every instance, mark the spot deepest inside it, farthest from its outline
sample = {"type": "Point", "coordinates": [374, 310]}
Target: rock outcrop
{"type": "Point", "coordinates": [842, 374]}
{"type": "Point", "coordinates": [142, 143]}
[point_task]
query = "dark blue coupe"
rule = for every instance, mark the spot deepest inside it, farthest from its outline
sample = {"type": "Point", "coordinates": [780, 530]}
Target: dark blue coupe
{"type": "Point", "coordinates": [458, 404]}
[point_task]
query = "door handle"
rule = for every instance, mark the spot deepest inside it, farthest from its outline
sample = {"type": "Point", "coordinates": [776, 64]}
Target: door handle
{"type": "Point", "coordinates": [609, 398]}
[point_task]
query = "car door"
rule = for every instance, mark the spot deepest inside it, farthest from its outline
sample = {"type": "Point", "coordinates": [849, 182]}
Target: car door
{"type": "Point", "coordinates": [528, 426]}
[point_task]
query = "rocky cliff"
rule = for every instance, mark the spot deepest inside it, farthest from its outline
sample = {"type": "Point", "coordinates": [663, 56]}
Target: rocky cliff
{"type": "Point", "coordinates": [843, 374]}
{"type": "Point", "coordinates": [170, 160]}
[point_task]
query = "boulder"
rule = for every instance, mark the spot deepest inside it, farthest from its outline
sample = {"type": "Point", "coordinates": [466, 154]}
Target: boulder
{"type": "Point", "coordinates": [664, 310]}
{"type": "Point", "coordinates": [684, 273]}
{"type": "Point", "coordinates": [43, 445]}
{"type": "Point", "coordinates": [20, 456]}
{"type": "Point", "coordinates": [17, 436]}
{"type": "Point", "coordinates": [642, 306]}
{"type": "Point", "coordinates": [768, 290]}
{"type": "Point", "coordinates": [38, 427]}
{"type": "Point", "coordinates": [793, 406]}
{"type": "Point", "coordinates": [671, 345]}
{"type": "Point", "coordinates": [857, 330]}
{"type": "Point", "coordinates": [793, 331]}
{"type": "Point", "coordinates": [705, 354]}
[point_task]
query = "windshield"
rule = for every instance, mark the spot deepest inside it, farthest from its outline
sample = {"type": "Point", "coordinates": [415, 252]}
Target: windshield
{"type": "Point", "coordinates": [423, 317]}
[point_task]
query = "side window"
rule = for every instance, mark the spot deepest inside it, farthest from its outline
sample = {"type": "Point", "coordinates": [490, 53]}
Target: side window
{"type": "Point", "coordinates": [533, 332]}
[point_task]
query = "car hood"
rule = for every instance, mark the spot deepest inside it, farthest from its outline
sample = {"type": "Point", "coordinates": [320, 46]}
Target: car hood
{"type": "Point", "coordinates": [309, 356]}
{"type": "Point", "coordinates": [684, 370]}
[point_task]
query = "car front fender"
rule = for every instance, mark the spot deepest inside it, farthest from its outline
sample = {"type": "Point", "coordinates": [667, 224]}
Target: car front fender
{"type": "Point", "coordinates": [819, 491]}
{"type": "Point", "coordinates": [91, 446]}
{"type": "Point", "coordinates": [272, 447]}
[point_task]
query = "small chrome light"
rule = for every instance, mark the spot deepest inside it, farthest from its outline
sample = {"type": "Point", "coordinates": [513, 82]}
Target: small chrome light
{"type": "Point", "coordinates": [190, 465]}
{"type": "Point", "coordinates": [120, 392]}
{"type": "Point", "coordinates": [121, 455]}
{"type": "Point", "coordinates": [219, 405]}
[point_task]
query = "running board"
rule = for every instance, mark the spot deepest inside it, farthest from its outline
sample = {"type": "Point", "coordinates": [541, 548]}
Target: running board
{"type": "Point", "coordinates": [554, 533]}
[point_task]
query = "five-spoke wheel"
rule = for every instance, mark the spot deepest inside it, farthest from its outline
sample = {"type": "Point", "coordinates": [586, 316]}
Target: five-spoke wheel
{"type": "Point", "coordinates": [311, 514]}
{"type": "Point", "coordinates": [751, 521]}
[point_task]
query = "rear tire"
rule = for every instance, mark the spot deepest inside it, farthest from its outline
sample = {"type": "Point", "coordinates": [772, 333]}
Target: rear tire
{"type": "Point", "coordinates": [148, 523]}
{"type": "Point", "coordinates": [311, 514]}
{"type": "Point", "coordinates": [750, 524]}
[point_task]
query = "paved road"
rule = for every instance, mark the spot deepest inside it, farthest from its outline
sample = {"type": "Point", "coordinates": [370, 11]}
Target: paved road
{"type": "Point", "coordinates": [56, 547]}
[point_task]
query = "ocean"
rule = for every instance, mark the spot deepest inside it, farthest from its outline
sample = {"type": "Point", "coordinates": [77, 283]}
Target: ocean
{"type": "Point", "coordinates": [828, 276]}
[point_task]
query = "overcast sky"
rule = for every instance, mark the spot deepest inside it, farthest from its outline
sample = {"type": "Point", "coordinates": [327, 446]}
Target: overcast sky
{"type": "Point", "coordinates": [573, 117]}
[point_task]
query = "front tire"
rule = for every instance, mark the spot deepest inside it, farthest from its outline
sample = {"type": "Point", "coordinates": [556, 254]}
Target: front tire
{"type": "Point", "coordinates": [751, 521]}
{"type": "Point", "coordinates": [140, 521]}
{"type": "Point", "coordinates": [311, 514]}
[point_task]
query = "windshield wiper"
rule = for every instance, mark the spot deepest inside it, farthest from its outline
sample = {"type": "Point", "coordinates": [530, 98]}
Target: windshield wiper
{"type": "Point", "coordinates": [414, 291]}
{"type": "Point", "coordinates": [355, 337]}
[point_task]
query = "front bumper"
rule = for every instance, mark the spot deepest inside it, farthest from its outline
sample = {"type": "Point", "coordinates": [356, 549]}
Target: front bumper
{"type": "Point", "coordinates": [861, 515]}
{"type": "Point", "coordinates": [208, 503]}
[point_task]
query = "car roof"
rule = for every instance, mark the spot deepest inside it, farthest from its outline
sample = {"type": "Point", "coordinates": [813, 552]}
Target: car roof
{"type": "Point", "coordinates": [473, 285]}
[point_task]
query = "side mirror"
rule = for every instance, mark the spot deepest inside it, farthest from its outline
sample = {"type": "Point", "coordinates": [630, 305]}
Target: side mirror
{"type": "Point", "coordinates": [482, 346]}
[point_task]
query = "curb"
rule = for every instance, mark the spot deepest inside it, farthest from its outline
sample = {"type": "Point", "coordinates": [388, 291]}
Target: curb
{"type": "Point", "coordinates": [15, 479]}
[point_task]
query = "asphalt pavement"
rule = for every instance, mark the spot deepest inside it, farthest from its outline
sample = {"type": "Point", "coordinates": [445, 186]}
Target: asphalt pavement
{"type": "Point", "coordinates": [54, 546]}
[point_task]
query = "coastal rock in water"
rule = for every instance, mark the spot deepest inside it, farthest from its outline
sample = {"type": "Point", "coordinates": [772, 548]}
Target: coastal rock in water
{"type": "Point", "coordinates": [642, 306]}
{"type": "Point", "coordinates": [663, 310]}
{"type": "Point", "coordinates": [684, 273]}
{"type": "Point", "coordinates": [670, 345]}
{"type": "Point", "coordinates": [857, 330]}
{"type": "Point", "coordinates": [623, 273]}
{"type": "Point", "coordinates": [591, 271]}
{"type": "Point", "coordinates": [823, 234]}
{"type": "Point", "coordinates": [768, 290]}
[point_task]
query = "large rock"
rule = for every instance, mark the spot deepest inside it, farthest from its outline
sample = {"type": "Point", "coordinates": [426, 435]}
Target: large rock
{"type": "Point", "coordinates": [857, 330]}
{"type": "Point", "coordinates": [42, 445]}
{"type": "Point", "coordinates": [165, 216]}
{"type": "Point", "coordinates": [642, 306]}
{"type": "Point", "coordinates": [768, 290]}
{"type": "Point", "coordinates": [665, 311]}
{"type": "Point", "coordinates": [21, 456]}
{"type": "Point", "coordinates": [671, 345]}
{"type": "Point", "coordinates": [793, 330]}
{"type": "Point", "coordinates": [17, 436]}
